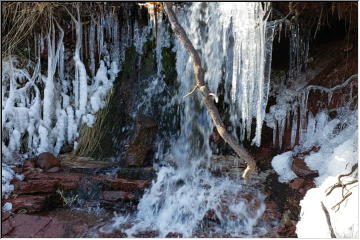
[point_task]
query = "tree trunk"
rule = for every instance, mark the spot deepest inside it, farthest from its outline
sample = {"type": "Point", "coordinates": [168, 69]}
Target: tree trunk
{"type": "Point", "coordinates": [206, 95]}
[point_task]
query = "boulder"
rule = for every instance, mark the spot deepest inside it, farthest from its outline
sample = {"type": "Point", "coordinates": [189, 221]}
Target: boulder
{"type": "Point", "coordinates": [46, 161]}
{"type": "Point", "coordinates": [142, 142]}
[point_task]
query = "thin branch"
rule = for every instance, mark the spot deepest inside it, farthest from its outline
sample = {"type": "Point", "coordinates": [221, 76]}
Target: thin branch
{"type": "Point", "coordinates": [339, 183]}
{"type": "Point", "coordinates": [332, 234]}
{"type": "Point", "coordinates": [342, 200]}
{"type": "Point", "coordinates": [325, 89]}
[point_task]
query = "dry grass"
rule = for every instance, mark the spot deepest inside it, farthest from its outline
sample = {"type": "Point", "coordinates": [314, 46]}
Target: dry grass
{"type": "Point", "coordinates": [90, 137]}
{"type": "Point", "coordinates": [22, 20]}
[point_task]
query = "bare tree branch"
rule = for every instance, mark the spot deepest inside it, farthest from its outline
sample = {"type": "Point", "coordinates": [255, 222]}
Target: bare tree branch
{"type": "Point", "coordinates": [207, 96]}
{"type": "Point", "coordinates": [327, 215]}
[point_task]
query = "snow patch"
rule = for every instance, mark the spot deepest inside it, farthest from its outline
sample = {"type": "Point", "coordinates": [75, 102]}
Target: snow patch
{"type": "Point", "coordinates": [282, 166]}
{"type": "Point", "coordinates": [7, 207]}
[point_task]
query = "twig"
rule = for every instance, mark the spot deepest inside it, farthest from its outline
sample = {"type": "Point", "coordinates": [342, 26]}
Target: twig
{"type": "Point", "coordinates": [192, 91]}
{"type": "Point", "coordinates": [340, 183]}
{"type": "Point", "coordinates": [342, 200]}
{"type": "Point", "coordinates": [327, 215]}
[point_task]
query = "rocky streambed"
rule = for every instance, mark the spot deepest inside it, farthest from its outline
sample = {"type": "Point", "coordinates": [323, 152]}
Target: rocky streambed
{"type": "Point", "coordinates": [79, 197]}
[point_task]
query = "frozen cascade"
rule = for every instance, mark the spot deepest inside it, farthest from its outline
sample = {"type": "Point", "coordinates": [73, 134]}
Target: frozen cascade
{"type": "Point", "coordinates": [33, 123]}
{"type": "Point", "coordinates": [185, 191]}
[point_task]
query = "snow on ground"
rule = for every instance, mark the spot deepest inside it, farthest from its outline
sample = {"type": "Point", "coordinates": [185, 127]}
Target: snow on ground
{"type": "Point", "coordinates": [337, 139]}
{"type": "Point", "coordinates": [7, 174]}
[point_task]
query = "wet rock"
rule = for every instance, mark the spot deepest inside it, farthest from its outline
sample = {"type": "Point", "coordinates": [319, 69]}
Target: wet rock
{"type": "Point", "coordinates": [302, 170]}
{"type": "Point", "coordinates": [90, 188]}
{"type": "Point", "coordinates": [85, 165]}
{"type": "Point", "coordinates": [147, 234]}
{"type": "Point", "coordinates": [29, 163]}
{"type": "Point", "coordinates": [53, 170]}
{"type": "Point", "coordinates": [26, 226]}
{"type": "Point", "coordinates": [54, 176]}
{"type": "Point", "coordinates": [211, 216]}
{"type": "Point", "coordinates": [287, 231]}
{"type": "Point", "coordinates": [142, 142]}
{"type": "Point", "coordinates": [5, 215]}
{"type": "Point", "coordinates": [145, 173]}
{"type": "Point", "coordinates": [35, 186]}
{"type": "Point", "coordinates": [113, 234]}
{"type": "Point", "coordinates": [286, 219]}
{"type": "Point", "coordinates": [297, 183]}
{"type": "Point", "coordinates": [271, 212]}
{"type": "Point", "coordinates": [227, 165]}
{"type": "Point", "coordinates": [174, 235]}
{"type": "Point", "coordinates": [46, 161]}
{"type": "Point", "coordinates": [309, 183]}
{"type": "Point", "coordinates": [66, 148]}
{"type": "Point", "coordinates": [66, 181]}
{"type": "Point", "coordinates": [113, 196]}
{"type": "Point", "coordinates": [124, 184]}
{"type": "Point", "coordinates": [33, 203]}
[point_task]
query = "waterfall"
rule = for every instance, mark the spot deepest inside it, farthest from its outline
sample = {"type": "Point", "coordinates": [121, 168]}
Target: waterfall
{"type": "Point", "coordinates": [233, 42]}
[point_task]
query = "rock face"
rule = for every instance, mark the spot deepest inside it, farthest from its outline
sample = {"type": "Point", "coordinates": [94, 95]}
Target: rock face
{"type": "Point", "coordinates": [144, 173]}
{"type": "Point", "coordinates": [33, 203]}
{"type": "Point", "coordinates": [142, 142]}
{"type": "Point", "coordinates": [297, 183]}
{"type": "Point", "coordinates": [47, 161]}
{"type": "Point", "coordinates": [24, 226]}
{"type": "Point", "coordinates": [36, 186]}
{"type": "Point", "coordinates": [302, 170]}
{"type": "Point", "coordinates": [42, 191]}
{"type": "Point", "coordinates": [117, 195]}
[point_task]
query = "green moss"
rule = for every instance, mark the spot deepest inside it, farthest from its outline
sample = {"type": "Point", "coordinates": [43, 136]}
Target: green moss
{"type": "Point", "coordinates": [169, 67]}
{"type": "Point", "coordinates": [148, 65]}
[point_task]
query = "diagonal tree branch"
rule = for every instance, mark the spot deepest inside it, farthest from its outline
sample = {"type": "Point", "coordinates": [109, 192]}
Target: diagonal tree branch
{"type": "Point", "coordinates": [206, 94]}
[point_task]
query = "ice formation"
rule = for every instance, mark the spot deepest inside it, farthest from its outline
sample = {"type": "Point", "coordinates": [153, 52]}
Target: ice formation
{"type": "Point", "coordinates": [282, 166]}
{"type": "Point", "coordinates": [245, 23]}
{"type": "Point", "coordinates": [44, 109]}
{"type": "Point", "coordinates": [7, 174]}
{"type": "Point", "coordinates": [37, 119]}
{"type": "Point", "coordinates": [291, 109]}
{"type": "Point", "coordinates": [7, 207]}
{"type": "Point", "coordinates": [338, 153]}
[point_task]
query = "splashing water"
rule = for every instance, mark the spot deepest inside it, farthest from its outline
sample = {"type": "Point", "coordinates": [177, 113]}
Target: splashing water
{"type": "Point", "coordinates": [230, 36]}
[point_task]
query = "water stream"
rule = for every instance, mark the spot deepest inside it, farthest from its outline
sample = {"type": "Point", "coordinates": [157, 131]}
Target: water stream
{"type": "Point", "coordinates": [233, 43]}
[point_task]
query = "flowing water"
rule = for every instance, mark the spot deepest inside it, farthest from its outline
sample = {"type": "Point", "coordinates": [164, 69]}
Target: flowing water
{"type": "Point", "coordinates": [235, 47]}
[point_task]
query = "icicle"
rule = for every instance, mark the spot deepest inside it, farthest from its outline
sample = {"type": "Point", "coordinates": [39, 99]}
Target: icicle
{"type": "Point", "coordinates": [80, 72]}
{"type": "Point", "coordinates": [330, 97]}
{"type": "Point", "coordinates": [294, 128]}
{"type": "Point", "coordinates": [92, 47]}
